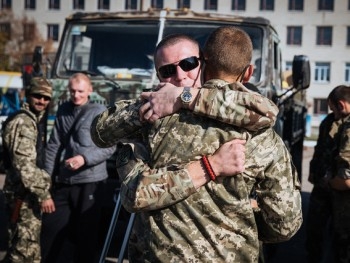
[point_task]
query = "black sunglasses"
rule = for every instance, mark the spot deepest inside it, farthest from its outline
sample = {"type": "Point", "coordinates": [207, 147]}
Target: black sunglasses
{"type": "Point", "coordinates": [187, 64]}
{"type": "Point", "coordinates": [39, 97]}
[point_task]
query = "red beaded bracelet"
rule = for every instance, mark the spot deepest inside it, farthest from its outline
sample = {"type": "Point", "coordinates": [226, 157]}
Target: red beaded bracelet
{"type": "Point", "coordinates": [208, 168]}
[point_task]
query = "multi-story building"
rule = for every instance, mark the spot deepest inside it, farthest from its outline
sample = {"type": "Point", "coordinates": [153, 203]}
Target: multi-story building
{"type": "Point", "coordinates": [319, 29]}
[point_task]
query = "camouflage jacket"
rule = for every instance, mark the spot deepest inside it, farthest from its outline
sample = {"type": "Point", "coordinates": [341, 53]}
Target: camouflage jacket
{"type": "Point", "coordinates": [20, 138]}
{"type": "Point", "coordinates": [226, 103]}
{"type": "Point", "coordinates": [341, 133]}
{"type": "Point", "coordinates": [216, 222]}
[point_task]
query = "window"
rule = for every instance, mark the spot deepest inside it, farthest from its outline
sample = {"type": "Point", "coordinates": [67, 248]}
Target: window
{"type": "Point", "coordinates": [29, 4]}
{"type": "Point", "coordinates": [348, 4]}
{"type": "Point", "coordinates": [348, 36]}
{"type": "Point", "coordinates": [267, 5]}
{"type": "Point", "coordinates": [322, 72]}
{"type": "Point", "coordinates": [52, 31]}
{"type": "Point", "coordinates": [130, 4]}
{"type": "Point", "coordinates": [157, 4]}
{"type": "Point", "coordinates": [6, 4]}
{"type": "Point", "coordinates": [5, 30]}
{"type": "Point", "coordinates": [347, 72]}
{"type": "Point", "coordinates": [294, 35]}
{"type": "Point", "coordinates": [183, 4]}
{"type": "Point", "coordinates": [325, 5]}
{"type": "Point", "coordinates": [288, 66]}
{"type": "Point", "coordinates": [210, 5]}
{"type": "Point", "coordinates": [324, 35]}
{"type": "Point", "coordinates": [79, 4]}
{"type": "Point", "coordinates": [54, 4]}
{"type": "Point", "coordinates": [320, 106]}
{"type": "Point", "coordinates": [28, 31]}
{"type": "Point", "coordinates": [296, 5]}
{"type": "Point", "coordinates": [103, 4]}
{"type": "Point", "coordinates": [238, 5]}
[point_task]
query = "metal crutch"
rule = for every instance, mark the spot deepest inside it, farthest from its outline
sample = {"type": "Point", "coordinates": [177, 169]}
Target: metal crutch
{"type": "Point", "coordinates": [111, 229]}
{"type": "Point", "coordinates": [126, 238]}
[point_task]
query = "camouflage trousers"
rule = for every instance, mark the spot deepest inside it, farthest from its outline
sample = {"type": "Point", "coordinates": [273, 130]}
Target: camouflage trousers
{"type": "Point", "coordinates": [24, 243]}
{"type": "Point", "coordinates": [341, 224]}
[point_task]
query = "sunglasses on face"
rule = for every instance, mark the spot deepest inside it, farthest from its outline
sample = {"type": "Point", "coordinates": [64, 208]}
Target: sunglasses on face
{"type": "Point", "coordinates": [39, 97]}
{"type": "Point", "coordinates": [187, 64]}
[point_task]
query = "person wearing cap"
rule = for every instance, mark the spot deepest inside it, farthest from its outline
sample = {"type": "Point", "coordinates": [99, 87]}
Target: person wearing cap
{"type": "Point", "coordinates": [27, 185]}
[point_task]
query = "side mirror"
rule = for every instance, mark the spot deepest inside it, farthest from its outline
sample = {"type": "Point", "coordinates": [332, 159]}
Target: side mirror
{"type": "Point", "coordinates": [301, 72]}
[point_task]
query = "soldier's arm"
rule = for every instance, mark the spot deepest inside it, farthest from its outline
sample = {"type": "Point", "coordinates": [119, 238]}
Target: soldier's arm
{"type": "Point", "coordinates": [145, 189]}
{"type": "Point", "coordinates": [232, 104]}
{"type": "Point", "coordinates": [116, 123]}
{"type": "Point", "coordinates": [21, 138]}
{"type": "Point", "coordinates": [279, 215]}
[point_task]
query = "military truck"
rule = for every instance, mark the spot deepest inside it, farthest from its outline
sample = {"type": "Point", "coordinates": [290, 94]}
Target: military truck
{"type": "Point", "coordinates": [116, 50]}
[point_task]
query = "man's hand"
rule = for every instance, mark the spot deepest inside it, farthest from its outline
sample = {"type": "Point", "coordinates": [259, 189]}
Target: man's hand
{"type": "Point", "coordinates": [229, 159]}
{"type": "Point", "coordinates": [160, 103]}
{"type": "Point", "coordinates": [340, 184]}
{"type": "Point", "coordinates": [75, 162]}
{"type": "Point", "coordinates": [48, 206]}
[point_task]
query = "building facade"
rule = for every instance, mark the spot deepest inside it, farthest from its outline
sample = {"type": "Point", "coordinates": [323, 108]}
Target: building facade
{"type": "Point", "coordinates": [319, 29]}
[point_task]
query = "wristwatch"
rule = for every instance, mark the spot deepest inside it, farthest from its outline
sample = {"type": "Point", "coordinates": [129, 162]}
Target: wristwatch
{"type": "Point", "coordinates": [186, 97]}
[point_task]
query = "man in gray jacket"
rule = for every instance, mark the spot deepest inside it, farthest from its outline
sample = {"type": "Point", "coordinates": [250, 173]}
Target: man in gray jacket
{"type": "Point", "coordinates": [78, 178]}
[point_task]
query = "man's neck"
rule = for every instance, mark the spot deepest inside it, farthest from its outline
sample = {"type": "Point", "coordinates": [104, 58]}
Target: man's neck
{"type": "Point", "coordinates": [226, 77]}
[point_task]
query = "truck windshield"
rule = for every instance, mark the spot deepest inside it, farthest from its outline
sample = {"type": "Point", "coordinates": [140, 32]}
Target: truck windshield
{"type": "Point", "coordinates": [123, 49]}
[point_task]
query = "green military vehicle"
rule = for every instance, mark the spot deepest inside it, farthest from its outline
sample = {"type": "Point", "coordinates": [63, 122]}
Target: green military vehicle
{"type": "Point", "coordinates": [116, 50]}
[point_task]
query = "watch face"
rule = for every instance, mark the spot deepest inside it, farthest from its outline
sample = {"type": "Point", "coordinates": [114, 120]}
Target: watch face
{"type": "Point", "coordinates": [186, 97]}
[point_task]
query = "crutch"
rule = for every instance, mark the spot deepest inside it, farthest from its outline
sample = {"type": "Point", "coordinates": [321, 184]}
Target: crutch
{"type": "Point", "coordinates": [126, 238]}
{"type": "Point", "coordinates": [111, 229]}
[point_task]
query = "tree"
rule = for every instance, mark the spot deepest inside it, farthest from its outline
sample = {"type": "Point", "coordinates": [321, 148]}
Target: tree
{"type": "Point", "coordinates": [18, 38]}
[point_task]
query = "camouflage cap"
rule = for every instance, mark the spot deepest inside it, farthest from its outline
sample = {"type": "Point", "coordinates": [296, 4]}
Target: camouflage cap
{"type": "Point", "coordinates": [40, 86]}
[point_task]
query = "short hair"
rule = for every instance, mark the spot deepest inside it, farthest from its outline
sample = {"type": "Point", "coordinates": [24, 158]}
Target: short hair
{"type": "Point", "coordinates": [341, 92]}
{"type": "Point", "coordinates": [79, 77]}
{"type": "Point", "coordinates": [173, 39]}
{"type": "Point", "coordinates": [228, 49]}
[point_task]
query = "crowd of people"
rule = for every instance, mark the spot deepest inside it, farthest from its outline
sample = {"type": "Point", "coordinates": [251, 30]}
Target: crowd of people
{"type": "Point", "coordinates": [204, 171]}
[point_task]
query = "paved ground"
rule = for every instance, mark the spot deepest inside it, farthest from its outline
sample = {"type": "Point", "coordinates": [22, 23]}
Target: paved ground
{"type": "Point", "coordinates": [290, 251]}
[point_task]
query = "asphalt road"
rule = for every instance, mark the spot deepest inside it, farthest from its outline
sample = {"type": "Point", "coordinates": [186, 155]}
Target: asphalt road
{"type": "Point", "coordinates": [291, 251]}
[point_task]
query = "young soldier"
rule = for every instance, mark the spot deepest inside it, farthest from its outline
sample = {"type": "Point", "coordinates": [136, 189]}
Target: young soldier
{"type": "Point", "coordinates": [340, 175]}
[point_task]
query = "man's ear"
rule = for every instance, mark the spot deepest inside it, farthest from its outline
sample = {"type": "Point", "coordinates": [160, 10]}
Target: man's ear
{"type": "Point", "coordinates": [248, 73]}
{"type": "Point", "coordinates": [340, 105]}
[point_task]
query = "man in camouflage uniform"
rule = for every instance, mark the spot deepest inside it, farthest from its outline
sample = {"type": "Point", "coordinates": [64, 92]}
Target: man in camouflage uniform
{"type": "Point", "coordinates": [340, 173]}
{"type": "Point", "coordinates": [27, 185]}
{"type": "Point", "coordinates": [184, 214]}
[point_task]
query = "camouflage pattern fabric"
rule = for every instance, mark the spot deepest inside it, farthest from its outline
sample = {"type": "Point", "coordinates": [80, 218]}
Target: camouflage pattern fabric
{"type": "Point", "coordinates": [25, 180]}
{"type": "Point", "coordinates": [341, 199]}
{"type": "Point", "coordinates": [228, 103]}
{"type": "Point", "coordinates": [248, 110]}
{"type": "Point", "coordinates": [215, 223]}
{"type": "Point", "coordinates": [25, 235]}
